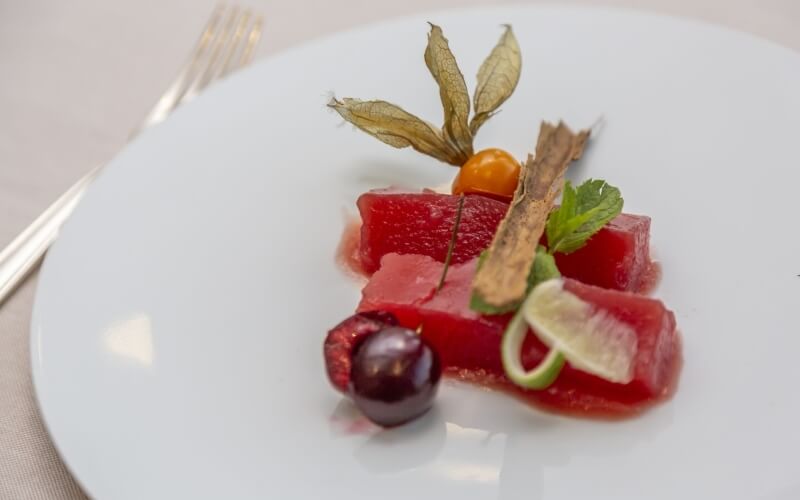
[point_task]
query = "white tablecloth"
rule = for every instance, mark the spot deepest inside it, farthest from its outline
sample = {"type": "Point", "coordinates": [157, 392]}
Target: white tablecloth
{"type": "Point", "coordinates": [76, 76]}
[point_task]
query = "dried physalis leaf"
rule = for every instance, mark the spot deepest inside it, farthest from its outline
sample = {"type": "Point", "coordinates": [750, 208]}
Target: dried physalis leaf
{"type": "Point", "coordinates": [497, 78]}
{"type": "Point", "coordinates": [453, 92]}
{"type": "Point", "coordinates": [502, 279]}
{"type": "Point", "coordinates": [396, 127]}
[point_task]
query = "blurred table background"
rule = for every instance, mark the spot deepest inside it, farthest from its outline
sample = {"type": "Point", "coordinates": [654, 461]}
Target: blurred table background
{"type": "Point", "coordinates": [76, 76]}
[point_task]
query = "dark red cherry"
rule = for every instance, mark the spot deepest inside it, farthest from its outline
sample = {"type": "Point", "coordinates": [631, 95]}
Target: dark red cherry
{"type": "Point", "coordinates": [344, 337]}
{"type": "Point", "coordinates": [395, 376]}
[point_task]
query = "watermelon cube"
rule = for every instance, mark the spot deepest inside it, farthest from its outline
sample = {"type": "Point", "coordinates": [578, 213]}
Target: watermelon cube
{"type": "Point", "coordinates": [469, 343]}
{"type": "Point", "coordinates": [617, 257]}
{"type": "Point", "coordinates": [422, 223]}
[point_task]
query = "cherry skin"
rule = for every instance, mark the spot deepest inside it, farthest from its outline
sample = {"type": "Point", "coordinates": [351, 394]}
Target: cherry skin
{"type": "Point", "coordinates": [395, 376]}
{"type": "Point", "coordinates": [343, 339]}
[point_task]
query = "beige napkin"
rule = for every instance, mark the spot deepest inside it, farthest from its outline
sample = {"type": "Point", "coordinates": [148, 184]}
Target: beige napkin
{"type": "Point", "coordinates": [29, 465]}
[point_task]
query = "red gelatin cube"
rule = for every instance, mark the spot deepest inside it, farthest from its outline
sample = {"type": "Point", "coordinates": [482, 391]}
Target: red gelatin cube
{"type": "Point", "coordinates": [654, 325]}
{"type": "Point", "coordinates": [469, 343]}
{"type": "Point", "coordinates": [422, 223]}
{"type": "Point", "coordinates": [617, 257]}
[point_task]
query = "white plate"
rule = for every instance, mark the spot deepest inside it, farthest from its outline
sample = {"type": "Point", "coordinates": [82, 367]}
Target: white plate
{"type": "Point", "coordinates": [178, 325]}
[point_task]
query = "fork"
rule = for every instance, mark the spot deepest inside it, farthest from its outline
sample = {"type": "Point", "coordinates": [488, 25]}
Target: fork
{"type": "Point", "coordinates": [226, 43]}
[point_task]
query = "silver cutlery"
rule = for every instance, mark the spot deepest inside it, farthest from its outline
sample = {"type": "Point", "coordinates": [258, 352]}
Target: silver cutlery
{"type": "Point", "coordinates": [226, 44]}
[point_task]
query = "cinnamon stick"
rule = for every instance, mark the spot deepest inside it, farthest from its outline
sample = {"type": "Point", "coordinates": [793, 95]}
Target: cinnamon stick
{"type": "Point", "coordinates": [502, 279]}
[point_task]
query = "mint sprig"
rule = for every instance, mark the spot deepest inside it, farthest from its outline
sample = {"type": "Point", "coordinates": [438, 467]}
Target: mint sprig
{"type": "Point", "coordinates": [544, 268]}
{"type": "Point", "coordinates": [583, 212]}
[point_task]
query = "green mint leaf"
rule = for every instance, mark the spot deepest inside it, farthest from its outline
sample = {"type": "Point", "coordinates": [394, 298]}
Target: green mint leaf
{"type": "Point", "coordinates": [582, 213]}
{"type": "Point", "coordinates": [544, 268]}
{"type": "Point", "coordinates": [589, 194]}
{"type": "Point", "coordinates": [558, 218]}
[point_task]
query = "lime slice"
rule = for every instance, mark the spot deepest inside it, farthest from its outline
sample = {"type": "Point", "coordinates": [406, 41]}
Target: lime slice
{"type": "Point", "coordinates": [511, 346]}
{"type": "Point", "coordinates": [589, 338]}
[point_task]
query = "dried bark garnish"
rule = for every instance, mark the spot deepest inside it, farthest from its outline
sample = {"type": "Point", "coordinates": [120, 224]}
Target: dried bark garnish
{"type": "Point", "coordinates": [502, 279]}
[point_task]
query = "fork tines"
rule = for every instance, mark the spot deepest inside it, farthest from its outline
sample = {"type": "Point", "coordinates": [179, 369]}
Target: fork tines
{"type": "Point", "coordinates": [227, 43]}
